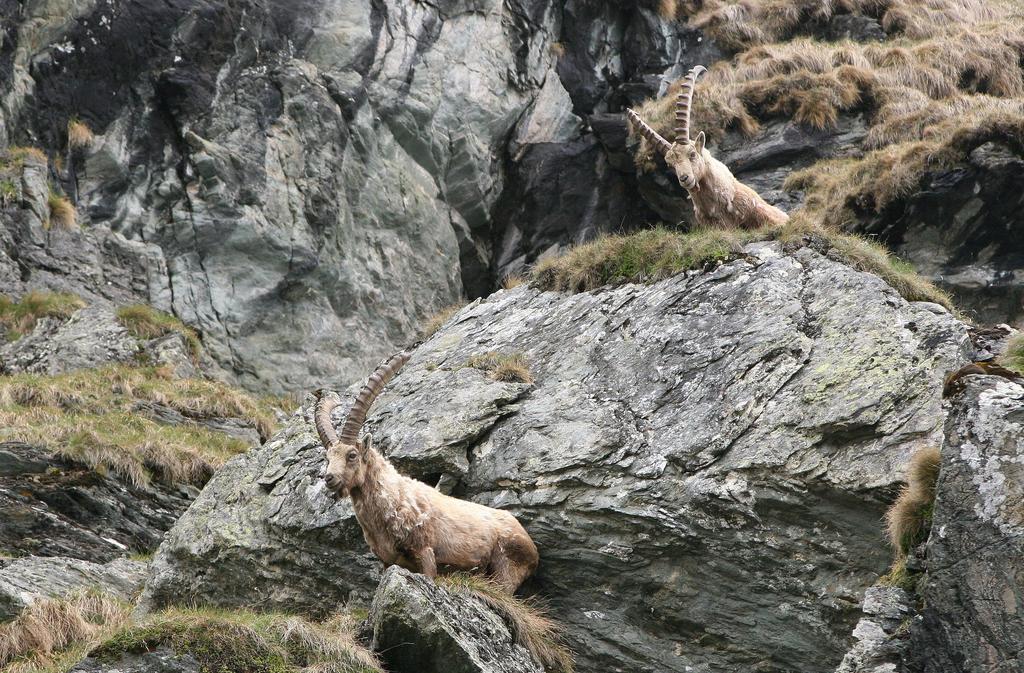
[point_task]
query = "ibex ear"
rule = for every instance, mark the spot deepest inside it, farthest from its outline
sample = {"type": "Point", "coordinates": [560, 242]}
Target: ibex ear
{"type": "Point", "coordinates": [366, 444]}
{"type": "Point", "coordinates": [699, 142]}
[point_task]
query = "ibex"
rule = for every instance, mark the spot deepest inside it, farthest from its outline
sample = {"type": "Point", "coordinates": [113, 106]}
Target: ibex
{"type": "Point", "coordinates": [406, 522]}
{"type": "Point", "coordinates": [719, 199]}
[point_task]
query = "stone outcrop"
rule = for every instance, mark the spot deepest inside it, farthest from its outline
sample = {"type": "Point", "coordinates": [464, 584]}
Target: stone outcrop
{"type": "Point", "coordinates": [973, 616]}
{"type": "Point", "coordinates": [55, 507]}
{"type": "Point", "coordinates": [26, 580]}
{"type": "Point", "coordinates": [702, 462]}
{"type": "Point", "coordinates": [421, 628]}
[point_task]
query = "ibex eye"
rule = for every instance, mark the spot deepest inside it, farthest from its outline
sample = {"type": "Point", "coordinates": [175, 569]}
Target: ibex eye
{"type": "Point", "coordinates": [352, 455]}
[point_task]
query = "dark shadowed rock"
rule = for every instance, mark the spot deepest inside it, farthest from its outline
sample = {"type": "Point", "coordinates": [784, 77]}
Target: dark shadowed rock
{"type": "Point", "coordinates": [702, 462]}
{"type": "Point", "coordinates": [973, 594]}
{"type": "Point", "coordinates": [419, 627]}
{"type": "Point", "coordinates": [54, 507]}
{"type": "Point", "coordinates": [959, 228]}
{"type": "Point", "coordinates": [26, 580]}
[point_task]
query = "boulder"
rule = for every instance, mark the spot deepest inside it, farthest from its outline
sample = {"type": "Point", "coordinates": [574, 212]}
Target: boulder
{"type": "Point", "coordinates": [158, 660]}
{"type": "Point", "coordinates": [702, 462]}
{"type": "Point", "coordinates": [26, 580]}
{"type": "Point", "coordinates": [973, 592]}
{"type": "Point", "coordinates": [418, 627]}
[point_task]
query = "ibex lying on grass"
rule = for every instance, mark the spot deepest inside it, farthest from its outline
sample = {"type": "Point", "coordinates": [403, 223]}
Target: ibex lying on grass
{"type": "Point", "coordinates": [719, 199]}
{"type": "Point", "coordinates": [408, 523]}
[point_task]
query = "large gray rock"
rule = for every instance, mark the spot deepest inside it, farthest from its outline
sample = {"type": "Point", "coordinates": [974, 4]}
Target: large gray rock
{"type": "Point", "coordinates": [973, 619]}
{"type": "Point", "coordinates": [26, 580]}
{"type": "Point", "coordinates": [419, 627]}
{"type": "Point", "coordinates": [91, 337]}
{"type": "Point", "coordinates": [703, 463]}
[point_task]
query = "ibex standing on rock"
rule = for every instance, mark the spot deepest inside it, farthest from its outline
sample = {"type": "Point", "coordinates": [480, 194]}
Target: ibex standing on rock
{"type": "Point", "coordinates": [408, 523]}
{"type": "Point", "coordinates": [719, 199]}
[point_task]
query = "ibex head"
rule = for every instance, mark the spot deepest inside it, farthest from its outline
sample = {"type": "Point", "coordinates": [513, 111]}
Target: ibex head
{"type": "Point", "coordinates": [685, 156]}
{"type": "Point", "coordinates": [347, 454]}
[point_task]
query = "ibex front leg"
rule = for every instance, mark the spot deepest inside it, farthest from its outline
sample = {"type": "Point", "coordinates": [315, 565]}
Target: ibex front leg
{"type": "Point", "coordinates": [427, 563]}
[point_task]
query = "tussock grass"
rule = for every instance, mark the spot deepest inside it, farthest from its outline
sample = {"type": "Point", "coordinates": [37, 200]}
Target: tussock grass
{"type": "Point", "coordinates": [741, 24]}
{"type": "Point", "coordinates": [62, 212]}
{"type": "Point", "coordinates": [18, 318]}
{"type": "Point", "coordinates": [512, 281]}
{"type": "Point", "coordinates": [13, 158]}
{"type": "Point", "coordinates": [909, 518]}
{"type": "Point", "coordinates": [145, 322]}
{"type": "Point", "coordinates": [240, 641]}
{"type": "Point", "coordinates": [642, 257]}
{"type": "Point", "coordinates": [79, 134]}
{"type": "Point", "coordinates": [1013, 358]}
{"type": "Point", "coordinates": [53, 634]}
{"type": "Point", "coordinates": [530, 625]}
{"type": "Point", "coordinates": [437, 321]}
{"type": "Point", "coordinates": [90, 416]}
{"type": "Point", "coordinates": [655, 254]}
{"type": "Point", "coordinates": [505, 367]}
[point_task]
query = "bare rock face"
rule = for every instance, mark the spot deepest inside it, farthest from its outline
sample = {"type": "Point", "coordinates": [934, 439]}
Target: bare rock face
{"type": "Point", "coordinates": [702, 462]}
{"type": "Point", "coordinates": [881, 634]}
{"type": "Point", "coordinates": [973, 619]}
{"type": "Point", "coordinates": [419, 627]}
{"type": "Point", "coordinates": [55, 507]}
{"type": "Point", "coordinates": [26, 580]}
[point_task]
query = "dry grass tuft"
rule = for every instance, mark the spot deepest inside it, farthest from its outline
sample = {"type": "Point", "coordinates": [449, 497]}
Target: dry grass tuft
{"type": "Point", "coordinates": [145, 322]}
{"type": "Point", "coordinates": [18, 318]}
{"type": "Point", "coordinates": [530, 625]}
{"type": "Point", "coordinates": [1013, 358]}
{"type": "Point", "coordinates": [62, 212]}
{"type": "Point", "coordinates": [437, 321]}
{"type": "Point", "coordinates": [507, 368]}
{"type": "Point", "coordinates": [53, 631]}
{"type": "Point", "coordinates": [16, 157]}
{"type": "Point", "coordinates": [909, 518]}
{"type": "Point", "coordinates": [241, 641]}
{"type": "Point", "coordinates": [512, 281]}
{"type": "Point", "coordinates": [91, 417]}
{"type": "Point", "coordinates": [79, 134]}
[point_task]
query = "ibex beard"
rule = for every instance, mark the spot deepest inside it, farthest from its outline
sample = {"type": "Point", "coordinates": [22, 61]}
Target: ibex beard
{"type": "Point", "coordinates": [408, 523]}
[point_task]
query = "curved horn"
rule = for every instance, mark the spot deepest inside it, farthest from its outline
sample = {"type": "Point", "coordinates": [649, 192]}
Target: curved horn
{"type": "Point", "coordinates": [322, 417]}
{"type": "Point", "coordinates": [357, 415]}
{"type": "Point", "coordinates": [649, 133]}
{"type": "Point", "coordinates": [683, 101]}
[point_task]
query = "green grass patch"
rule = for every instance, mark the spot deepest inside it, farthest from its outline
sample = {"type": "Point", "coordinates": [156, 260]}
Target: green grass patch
{"type": "Point", "coordinates": [18, 318]}
{"type": "Point", "coordinates": [241, 641]}
{"type": "Point", "coordinates": [145, 322]}
{"type": "Point", "coordinates": [89, 416]}
{"type": "Point", "coordinates": [1013, 358]}
{"type": "Point", "coordinates": [655, 254]}
{"type": "Point", "coordinates": [505, 367]}
{"type": "Point", "coordinates": [527, 620]}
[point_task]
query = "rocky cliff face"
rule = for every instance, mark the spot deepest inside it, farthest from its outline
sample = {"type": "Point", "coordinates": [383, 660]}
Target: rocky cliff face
{"type": "Point", "coordinates": [317, 177]}
{"type": "Point", "coordinates": [703, 462]}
